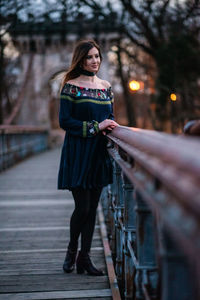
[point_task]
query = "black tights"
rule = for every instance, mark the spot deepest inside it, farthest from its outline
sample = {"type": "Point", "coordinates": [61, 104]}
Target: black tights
{"type": "Point", "coordinates": [83, 217]}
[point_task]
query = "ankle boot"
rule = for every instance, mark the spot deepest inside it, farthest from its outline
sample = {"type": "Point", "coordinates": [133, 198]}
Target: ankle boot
{"type": "Point", "coordinates": [69, 261]}
{"type": "Point", "coordinates": [84, 263]}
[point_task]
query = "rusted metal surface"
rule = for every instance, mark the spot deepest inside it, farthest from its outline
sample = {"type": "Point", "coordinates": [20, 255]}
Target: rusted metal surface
{"type": "Point", "coordinates": [19, 142]}
{"type": "Point", "coordinates": [164, 171]}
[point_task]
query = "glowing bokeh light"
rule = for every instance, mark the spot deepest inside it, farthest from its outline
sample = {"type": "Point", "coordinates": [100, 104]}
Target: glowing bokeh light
{"type": "Point", "coordinates": [134, 85]}
{"type": "Point", "coordinates": [173, 97]}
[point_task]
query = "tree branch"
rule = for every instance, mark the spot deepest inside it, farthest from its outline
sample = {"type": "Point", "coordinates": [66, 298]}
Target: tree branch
{"type": "Point", "coordinates": [139, 44]}
{"type": "Point", "coordinates": [159, 20]}
{"type": "Point", "coordinates": [149, 35]}
{"type": "Point", "coordinates": [134, 57]}
{"type": "Point", "coordinates": [192, 8]}
{"type": "Point", "coordinates": [94, 6]}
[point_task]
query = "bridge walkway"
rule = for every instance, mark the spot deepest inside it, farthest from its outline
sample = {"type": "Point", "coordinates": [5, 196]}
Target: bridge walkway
{"type": "Point", "coordinates": [34, 233]}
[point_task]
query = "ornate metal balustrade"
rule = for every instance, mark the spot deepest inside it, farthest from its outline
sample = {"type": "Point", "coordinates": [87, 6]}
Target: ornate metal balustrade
{"type": "Point", "coordinates": [19, 142]}
{"type": "Point", "coordinates": [152, 211]}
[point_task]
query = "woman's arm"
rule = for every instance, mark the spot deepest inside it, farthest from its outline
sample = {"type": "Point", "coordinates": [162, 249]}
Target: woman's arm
{"type": "Point", "coordinates": [73, 126]}
{"type": "Point", "coordinates": [80, 128]}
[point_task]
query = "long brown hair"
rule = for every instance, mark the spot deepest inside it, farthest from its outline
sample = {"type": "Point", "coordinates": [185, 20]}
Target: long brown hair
{"type": "Point", "coordinates": [80, 52]}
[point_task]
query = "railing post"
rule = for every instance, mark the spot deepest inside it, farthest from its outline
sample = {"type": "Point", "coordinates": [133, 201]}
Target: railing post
{"type": "Point", "coordinates": [105, 202]}
{"type": "Point", "coordinates": [107, 196]}
{"type": "Point", "coordinates": [119, 206]}
{"type": "Point", "coordinates": [177, 282]}
{"type": "Point", "coordinates": [129, 237]}
{"type": "Point", "coordinates": [112, 213]}
{"type": "Point", "coordinates": [2, 145]}
{"type": "Point", "coordinates": [146, 279]}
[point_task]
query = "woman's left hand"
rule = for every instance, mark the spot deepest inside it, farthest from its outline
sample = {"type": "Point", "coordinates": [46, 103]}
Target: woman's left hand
{"type": "Point", "coordinates": [109, 129]}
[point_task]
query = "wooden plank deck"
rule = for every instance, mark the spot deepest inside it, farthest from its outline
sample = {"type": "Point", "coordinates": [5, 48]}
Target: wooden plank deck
{"type": "Point", "coordinates": [34, 233]}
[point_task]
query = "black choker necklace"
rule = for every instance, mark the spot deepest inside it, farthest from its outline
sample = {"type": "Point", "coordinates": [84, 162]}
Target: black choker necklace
{"type": "Point", "coordinates": [87, 73]}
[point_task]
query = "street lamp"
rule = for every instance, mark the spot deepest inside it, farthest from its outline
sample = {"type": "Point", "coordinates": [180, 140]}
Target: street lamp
{"type": "Point", "coordinates": [134, 85]}
{"type": "Point", "coordinates": [173, 97]}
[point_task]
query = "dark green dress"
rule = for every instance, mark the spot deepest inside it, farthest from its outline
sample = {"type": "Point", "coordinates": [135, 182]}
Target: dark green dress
{"type": "Point", "coordinates": [85, 161]}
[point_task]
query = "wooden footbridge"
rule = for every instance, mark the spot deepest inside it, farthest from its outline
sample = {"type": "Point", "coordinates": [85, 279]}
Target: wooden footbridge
{"type": "Point", "coordinates": [34, 233]}
{"type": "Point", "coordinates": [151, 212]}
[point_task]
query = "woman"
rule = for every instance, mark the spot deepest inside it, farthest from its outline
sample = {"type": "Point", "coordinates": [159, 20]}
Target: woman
{"type": "Point", "coordinates": [85, 114]}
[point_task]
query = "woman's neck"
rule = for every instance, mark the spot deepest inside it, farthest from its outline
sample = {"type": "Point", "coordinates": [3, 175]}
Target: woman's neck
{"type": "Point", "coordinates": [85, 79]}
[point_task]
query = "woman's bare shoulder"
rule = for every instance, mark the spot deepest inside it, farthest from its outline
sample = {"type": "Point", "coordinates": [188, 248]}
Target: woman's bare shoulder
{"type": "Point", "coordinates": [105, 83]}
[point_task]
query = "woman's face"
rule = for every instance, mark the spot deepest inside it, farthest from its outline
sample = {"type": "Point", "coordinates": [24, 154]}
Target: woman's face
{"type": "Point", "coordinates": [92, 61]}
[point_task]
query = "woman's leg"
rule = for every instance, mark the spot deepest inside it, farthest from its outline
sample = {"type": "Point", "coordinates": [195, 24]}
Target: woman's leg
{"type": "Point", "coordinates": [88, 227]}
{"type": "Point", "coordinates": [79, 215]}
{"type": "Point", "coordinates": [83, 261]}
{"type": "Point", "coordinates": [78, 218]}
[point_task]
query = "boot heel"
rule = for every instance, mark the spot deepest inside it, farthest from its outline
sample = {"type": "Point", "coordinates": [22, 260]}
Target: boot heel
{"type": "Point", "coordinates": [80, 269]}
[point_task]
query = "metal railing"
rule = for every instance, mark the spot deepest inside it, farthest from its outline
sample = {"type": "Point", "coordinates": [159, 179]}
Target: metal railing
{"type": "Point", "coordinates": [19, 142]}
{"type": "Point", "coordinates": [152, 211]}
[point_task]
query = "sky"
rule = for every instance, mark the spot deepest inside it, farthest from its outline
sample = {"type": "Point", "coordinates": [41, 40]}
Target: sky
{"type": "Point", "coordinates": [39, 6]}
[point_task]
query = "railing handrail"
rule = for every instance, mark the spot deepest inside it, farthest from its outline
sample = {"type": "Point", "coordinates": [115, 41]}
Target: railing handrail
{"type": "Point", "coordinates": [187, 147]}
{"type": "Point", "coordinates": [20, 141]}
{"type": "Point", "coordinates": [175, 179]}
{"type": "Point", "coordinates": [153, 211]}
{"type": "Point", "coordinates": [181, 174]}
{"type": "Point", "coordinates": [15, 129]}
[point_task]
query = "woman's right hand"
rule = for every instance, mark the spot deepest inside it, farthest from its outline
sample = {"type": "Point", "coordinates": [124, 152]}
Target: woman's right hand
{"type": "Point", "coordinates": [107, 124]}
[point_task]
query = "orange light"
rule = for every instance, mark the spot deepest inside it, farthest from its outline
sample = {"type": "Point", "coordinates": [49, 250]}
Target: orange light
{"type": "Point", "coordinates": [173, 97]}
{"type": "Point", "coordinates": [134, 85]}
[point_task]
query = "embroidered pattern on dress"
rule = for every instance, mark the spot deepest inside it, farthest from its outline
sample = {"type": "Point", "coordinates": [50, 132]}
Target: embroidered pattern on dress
{"type": "Point", "coordinates": [81, 92]}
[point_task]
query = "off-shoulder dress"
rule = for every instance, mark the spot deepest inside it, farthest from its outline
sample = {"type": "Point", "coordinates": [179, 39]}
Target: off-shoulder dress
{"type": "Point", "coordinates": [85, 161]}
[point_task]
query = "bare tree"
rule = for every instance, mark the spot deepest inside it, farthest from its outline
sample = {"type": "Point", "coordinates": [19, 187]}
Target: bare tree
{"type": "Point", "coordinates": [164, 30]}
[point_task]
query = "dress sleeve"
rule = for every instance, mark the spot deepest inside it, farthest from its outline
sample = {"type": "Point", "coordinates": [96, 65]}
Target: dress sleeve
{"type": "Point", "coordinates": [74, 126]}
